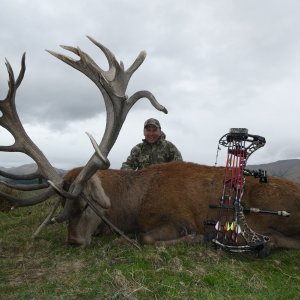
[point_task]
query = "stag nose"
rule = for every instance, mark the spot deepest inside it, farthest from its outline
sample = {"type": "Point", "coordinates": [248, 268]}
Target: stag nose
{"type": "Point", "coordinates": [78, 242]}
{"type": "Point", "coordinates": [73, 242]}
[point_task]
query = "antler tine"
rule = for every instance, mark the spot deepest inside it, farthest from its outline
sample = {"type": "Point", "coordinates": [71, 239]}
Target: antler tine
{"type": "Point", "coordinates": [22, 71]}
{"type": "Point", "coordinates": [84, 57]}
{"type": "Point", "coordinates": [10, 119]}
{"type": "Point", "coordinates": [97, 149]}
{"type": "Point", "coordinates": [11, 82]}
{"type": "Point", "coordinates": [30, 176]}
{"type": "Point", "coordinates": [17, 202]}
{"type": "Point", "coordinates": [66, 59]}
{"type": "Point", "coordinates": [138, 61]}
{"type": "Point", "coordinates": [109, 55]}
{"type": "Point", "coordinates": [145, 94]}
{"type": "Point", "coordinates": [85, 64]}
{"type": "Point", "coordinates": [27, 187]}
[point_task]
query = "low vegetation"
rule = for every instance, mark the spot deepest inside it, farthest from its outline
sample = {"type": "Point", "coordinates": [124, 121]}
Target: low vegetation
{"type": "Point", "coordinates": [111, 268]}
{"type": "Point", "coordinates": [4, 206]}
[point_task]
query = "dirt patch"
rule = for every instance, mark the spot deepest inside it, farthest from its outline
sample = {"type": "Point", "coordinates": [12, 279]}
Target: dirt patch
{"type": "Point", "coordinates": [35, 271]}
{"type": "Point", "coordinates": [4, 206]}
{"type": "Point", "coordinates": [126, 288]}
{"type": "Point", "coordinates": [70, 267]}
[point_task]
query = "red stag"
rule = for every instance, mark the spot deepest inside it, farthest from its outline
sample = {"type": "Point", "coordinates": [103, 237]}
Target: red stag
{"type": "Point", "coordinates": [169, 202]}
{"type": "Point", "coordinates": [166, 202]}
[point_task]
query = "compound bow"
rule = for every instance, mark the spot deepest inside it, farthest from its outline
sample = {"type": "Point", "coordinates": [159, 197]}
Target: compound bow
{"type": "Point", "coordinates": [232, 232]}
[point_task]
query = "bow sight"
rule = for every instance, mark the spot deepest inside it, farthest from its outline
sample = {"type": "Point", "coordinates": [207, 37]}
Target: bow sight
{"type": "Point", "coordinates": [232, 232]}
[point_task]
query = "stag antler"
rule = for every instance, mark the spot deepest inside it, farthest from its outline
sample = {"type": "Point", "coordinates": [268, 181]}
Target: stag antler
{"type": "Point", "coordinates": [112, 84]}
{"type": "Point", "coordinates": [11, 121]}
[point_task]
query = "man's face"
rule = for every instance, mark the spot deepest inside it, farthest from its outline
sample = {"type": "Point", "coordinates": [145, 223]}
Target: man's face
{"type": "Point", "coordinates": [152, 133]}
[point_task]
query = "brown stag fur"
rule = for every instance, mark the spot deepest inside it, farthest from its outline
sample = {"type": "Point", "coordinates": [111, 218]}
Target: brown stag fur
{"type": "Point", "coordinates": [168, 201]}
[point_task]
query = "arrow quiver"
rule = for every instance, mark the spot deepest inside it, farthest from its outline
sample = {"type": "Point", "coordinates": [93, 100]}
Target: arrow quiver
{"type": "Point", "coordinates": [232, 231]}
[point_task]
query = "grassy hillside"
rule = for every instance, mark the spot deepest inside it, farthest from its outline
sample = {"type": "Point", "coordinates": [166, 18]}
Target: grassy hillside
{"type": "Point", "coordinates": [45, 268]}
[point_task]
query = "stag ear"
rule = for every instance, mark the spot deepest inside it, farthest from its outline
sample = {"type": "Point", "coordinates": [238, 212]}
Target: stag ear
{"type": "Point", "coordinates": [95, 191]}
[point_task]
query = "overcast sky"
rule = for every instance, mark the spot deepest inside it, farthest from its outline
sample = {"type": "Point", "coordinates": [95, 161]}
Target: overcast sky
{"type": "Point", "coordinates": [214, 64]}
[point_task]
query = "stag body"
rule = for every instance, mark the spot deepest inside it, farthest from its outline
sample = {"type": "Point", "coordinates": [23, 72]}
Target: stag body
{"type": "Point", "coordinates": [169, 201]}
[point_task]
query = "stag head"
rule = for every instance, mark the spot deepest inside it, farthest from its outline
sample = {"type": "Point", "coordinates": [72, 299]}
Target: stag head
{"type": "Point", "coordinates": [112, 85]}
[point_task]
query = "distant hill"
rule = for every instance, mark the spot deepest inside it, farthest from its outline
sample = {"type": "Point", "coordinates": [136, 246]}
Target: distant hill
{"type": "Point", "coordinates": [289, 169]}
{"type": "Point", "coordinates": [24, 169]}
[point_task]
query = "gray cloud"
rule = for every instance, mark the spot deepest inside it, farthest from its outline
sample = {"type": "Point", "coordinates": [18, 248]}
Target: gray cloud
{"type": "Point", "coordinates": [214, 65]}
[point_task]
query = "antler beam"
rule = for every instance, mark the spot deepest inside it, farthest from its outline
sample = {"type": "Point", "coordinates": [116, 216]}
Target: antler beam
{"type": "Point", "coordinates": [10, 120]}
{"type": "Point", "coordinates": [112, 84]}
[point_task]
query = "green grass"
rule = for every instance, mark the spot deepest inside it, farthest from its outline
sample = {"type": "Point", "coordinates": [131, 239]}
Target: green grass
{"type": "Point", "coordinates": [45, 268]}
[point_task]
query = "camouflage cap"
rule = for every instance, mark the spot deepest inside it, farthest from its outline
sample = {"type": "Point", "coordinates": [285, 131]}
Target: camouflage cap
{"type": "Point", "coordinates": [152, 122]}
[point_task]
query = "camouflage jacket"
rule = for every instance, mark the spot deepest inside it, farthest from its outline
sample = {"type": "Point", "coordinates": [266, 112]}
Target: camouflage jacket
{"type": "Point", "coordinates": [144, 154]}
